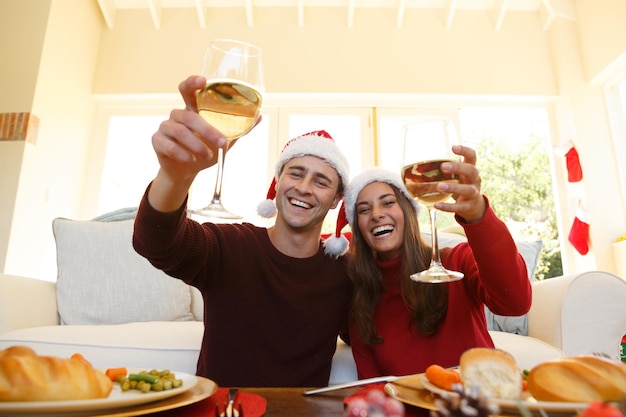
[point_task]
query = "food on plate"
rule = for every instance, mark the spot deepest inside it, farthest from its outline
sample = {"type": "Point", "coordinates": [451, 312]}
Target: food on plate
{"type": "Point", "coordinates": [463, 402]}
{"type": "Point", "coordinates": [80, 357]}
{"type": "Point", "coordinates": [114, 373]}
{"type": "Point", "coordinates": [493, 371]}
{"type": "Point", "coordinates": [600, 409]}
{"type": "Point", "coordinates": [580, 378]}
{"type": "Point", "coordinates": [442, 377]}
{"type": "Point", "coordinates": [26, 376]}
{"type": "Point", "coordinates": [146, 381]}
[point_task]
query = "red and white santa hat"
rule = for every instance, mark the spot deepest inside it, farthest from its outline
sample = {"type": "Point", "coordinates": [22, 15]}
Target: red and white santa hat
{"type": "Point", "coordinates": [319, 144]}
{"type": "Point", "coordinates": [365, 178]}
{"type": "Point", "coordinates": [347, 213]}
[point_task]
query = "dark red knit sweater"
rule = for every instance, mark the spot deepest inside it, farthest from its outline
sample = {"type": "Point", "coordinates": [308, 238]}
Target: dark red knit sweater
{"type": "Point", "coordinates": [270, 320]}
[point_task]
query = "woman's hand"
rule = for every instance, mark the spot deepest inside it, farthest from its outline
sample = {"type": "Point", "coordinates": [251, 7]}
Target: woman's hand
{"type": "Point", "coordinates": [469, 202]}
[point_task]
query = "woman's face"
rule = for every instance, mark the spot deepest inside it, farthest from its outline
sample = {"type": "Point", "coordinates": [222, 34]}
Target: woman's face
{"type": "Point", "coordinates": [380, 220]}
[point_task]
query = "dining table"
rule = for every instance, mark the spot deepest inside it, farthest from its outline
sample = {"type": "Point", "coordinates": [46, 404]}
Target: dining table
{"type": "Point", "coordinates": [280, 402]}
{"type": "Point", "coordinates": [291, 402]}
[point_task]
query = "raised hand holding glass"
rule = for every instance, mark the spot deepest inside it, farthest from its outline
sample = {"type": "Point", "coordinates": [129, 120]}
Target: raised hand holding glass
{"type": "Point", "coordinates": [231, 102]}
{"type": "Point", "coordinates": [426, 146]}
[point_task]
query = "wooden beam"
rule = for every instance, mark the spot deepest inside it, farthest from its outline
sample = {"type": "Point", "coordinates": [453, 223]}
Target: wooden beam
{"type": "Point", "coordinates": [249, 16]}
{"type": "Point", "coordinates": [564, 9]}
{"type": "Point", "coordinates": [201, 13]}
{"type": "Point", "coordinates": [401, 10]}
{"type": "Point", "coordinates": [546, 16]}
{"type": "Point", "coordinates": [300, 13]}
{"type": "Point", "coordinates": [500, 8]}
{"type": "Point", "coordinates": [451, 10]}
{"type": "Point", "coordinates": [350, 13]}
{"type": "Point", "coordinates": [108, 12]}
{"type": "Point", "coordinates": [156, 12]}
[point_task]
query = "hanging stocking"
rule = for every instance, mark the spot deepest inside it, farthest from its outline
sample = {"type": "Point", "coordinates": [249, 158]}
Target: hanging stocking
{"type": "Point", "coordinates": [572, 161]}
{"type": "Point", "coordinates": [579, 234]}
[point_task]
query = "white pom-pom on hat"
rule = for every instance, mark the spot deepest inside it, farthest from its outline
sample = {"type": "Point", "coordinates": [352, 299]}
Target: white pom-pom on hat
{"type": "Point", "coordinates": [337, 245]}
{"type": "Point", "coordinates": [267, 208]}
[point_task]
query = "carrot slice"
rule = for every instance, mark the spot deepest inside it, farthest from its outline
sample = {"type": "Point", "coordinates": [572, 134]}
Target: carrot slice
{"type": "Point", "coordinates": [113, 373]}
{"type": "Point", "coordinates": [80, 357]}
{"type": "Point", "coordinates": [442, 377]}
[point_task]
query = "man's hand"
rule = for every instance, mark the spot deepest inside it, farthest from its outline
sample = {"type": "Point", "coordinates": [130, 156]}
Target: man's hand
{"type": "Point", "coordinates": [185, 144]}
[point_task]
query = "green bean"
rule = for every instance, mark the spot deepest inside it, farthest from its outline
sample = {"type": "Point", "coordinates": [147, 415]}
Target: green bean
{"type": "Point", "coordinates": [149, 378]}
{"type": "Point", "coordinates": [146, 381]}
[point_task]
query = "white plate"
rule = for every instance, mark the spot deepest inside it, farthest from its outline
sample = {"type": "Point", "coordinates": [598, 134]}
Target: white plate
{"type": "Point", "coordinates": [116, 399]}
{"type": "Point", "coordinates": [513, 405]}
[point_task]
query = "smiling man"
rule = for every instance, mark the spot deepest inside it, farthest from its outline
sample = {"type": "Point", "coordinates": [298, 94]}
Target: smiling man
{"type": "Point", "coordinates": [274, 302]}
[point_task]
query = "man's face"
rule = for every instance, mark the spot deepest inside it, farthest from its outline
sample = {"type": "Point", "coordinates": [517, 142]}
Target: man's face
{"type": "Point", "coordinates": [305, 190]}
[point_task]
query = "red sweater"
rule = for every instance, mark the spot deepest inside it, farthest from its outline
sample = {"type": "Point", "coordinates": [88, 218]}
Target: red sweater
{"type": "Point", "coordinates": [270, 320]}
{"type": "Point", "coordinates": [502, 285]}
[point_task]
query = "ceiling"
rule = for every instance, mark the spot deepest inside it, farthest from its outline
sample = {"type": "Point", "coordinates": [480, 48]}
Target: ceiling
{"type": "Point", "coordinates": [547, 10]}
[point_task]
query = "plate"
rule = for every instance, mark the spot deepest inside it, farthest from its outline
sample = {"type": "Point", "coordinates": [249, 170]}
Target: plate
{"type": "Point", "coordinates": [116, 400]}
{"type": "Point", "coordinates": [423, 398]}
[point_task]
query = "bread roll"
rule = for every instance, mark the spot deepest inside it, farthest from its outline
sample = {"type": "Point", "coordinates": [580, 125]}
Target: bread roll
{"type": "Point", "coordinates": [581, 378]}
{"type": "Point", "coordinates": [493, 371]}
{"type": "Point", "coordinates": [25, 376]}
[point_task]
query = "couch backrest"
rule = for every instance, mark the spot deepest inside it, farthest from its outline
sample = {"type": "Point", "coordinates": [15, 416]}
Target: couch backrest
{"type": "Point", "coordinates": [595, 303]}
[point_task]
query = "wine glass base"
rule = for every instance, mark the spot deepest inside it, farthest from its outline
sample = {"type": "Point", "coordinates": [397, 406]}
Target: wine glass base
{"type": "Point", "coordinates": [215, 210]}
{"type": "Point", "coordinates": [437, 276]}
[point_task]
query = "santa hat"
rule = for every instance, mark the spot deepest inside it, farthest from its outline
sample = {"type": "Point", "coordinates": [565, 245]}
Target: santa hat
{"type": "Point", "coordinates": [347, 213]}
{"type": "Point", "coordinates": [319, 144]}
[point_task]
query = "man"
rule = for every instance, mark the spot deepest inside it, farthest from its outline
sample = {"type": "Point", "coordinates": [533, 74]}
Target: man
{"type": "Point", "coordinates": [274, 302]}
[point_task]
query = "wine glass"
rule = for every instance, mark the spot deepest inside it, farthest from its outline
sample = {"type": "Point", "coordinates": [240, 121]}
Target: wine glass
{"type": "Point", "coordinates": [230, 102]}
{"type": "Point", "coordinates": [427, 145]}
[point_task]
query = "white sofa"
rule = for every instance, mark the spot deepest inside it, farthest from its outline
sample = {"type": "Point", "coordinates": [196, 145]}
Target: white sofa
{"type": "Point", "coordinates": [113, 307]}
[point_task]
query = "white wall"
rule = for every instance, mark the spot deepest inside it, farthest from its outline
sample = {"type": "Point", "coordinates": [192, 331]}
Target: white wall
{"type": "Point", "coordinates": [20, 45]}
{"type": "Point", "coordinates": [52, 169]}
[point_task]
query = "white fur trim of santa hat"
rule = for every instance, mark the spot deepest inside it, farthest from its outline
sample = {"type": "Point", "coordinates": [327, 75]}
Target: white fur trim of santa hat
{"type": "Point", "coordinates": [367, 177]}
{"type": "Point", "coordinates": [319, 144]}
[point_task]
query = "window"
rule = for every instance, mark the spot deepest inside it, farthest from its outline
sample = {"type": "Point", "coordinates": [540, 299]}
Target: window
{"type": "Point", "coordinates": [368, 137]}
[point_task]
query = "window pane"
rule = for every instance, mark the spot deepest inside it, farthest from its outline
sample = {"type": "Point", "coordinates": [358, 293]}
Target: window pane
{"type": "Point", "coordinates": [513, 146]}
{"type": "Point", "coordinates": [130, 162]}
{"type": "Point", "coordinates": [245, 180]}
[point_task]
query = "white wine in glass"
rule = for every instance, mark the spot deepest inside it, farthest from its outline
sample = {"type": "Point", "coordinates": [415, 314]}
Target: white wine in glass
{"type": "Point", "coordinates": [426, 146]}
{"type": "Point", "coordinates": [231, 102]}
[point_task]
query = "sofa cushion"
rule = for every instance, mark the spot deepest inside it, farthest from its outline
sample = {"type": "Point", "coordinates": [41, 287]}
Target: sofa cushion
{"type": "Point", "coordinates": [102, 280]}
{"type": "Point", "coordinates": [171, 345]}
{"type": "Point", "coordinates": [530, 251]}
{"type": "Point", "coordinates": [527, 351]}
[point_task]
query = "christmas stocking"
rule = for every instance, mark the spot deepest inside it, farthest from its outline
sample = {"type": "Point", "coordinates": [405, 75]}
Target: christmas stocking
{"type": "Point", "coordinates": [574, 170]}
{"type": "Point", "coordinates": [579, 234]}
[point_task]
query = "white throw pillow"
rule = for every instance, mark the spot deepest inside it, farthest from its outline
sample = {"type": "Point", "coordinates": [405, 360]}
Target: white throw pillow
{"type": "Point", "coordinates": [102, 280]}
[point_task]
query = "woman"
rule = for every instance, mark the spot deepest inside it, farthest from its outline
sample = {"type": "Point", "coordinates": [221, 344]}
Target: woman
{"type": "Point", "coordinates": [399, 326]}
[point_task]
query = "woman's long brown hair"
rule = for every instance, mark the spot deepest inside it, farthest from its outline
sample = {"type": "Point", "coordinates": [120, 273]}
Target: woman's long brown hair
{"type": "Point", "coordinates": [427, 303]}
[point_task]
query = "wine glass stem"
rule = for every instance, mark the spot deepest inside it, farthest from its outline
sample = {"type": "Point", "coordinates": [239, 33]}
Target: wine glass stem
{"type": "Point", "coordinates": [217, 194]}
{"type": "Point", "coordinates": [435, 259]}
